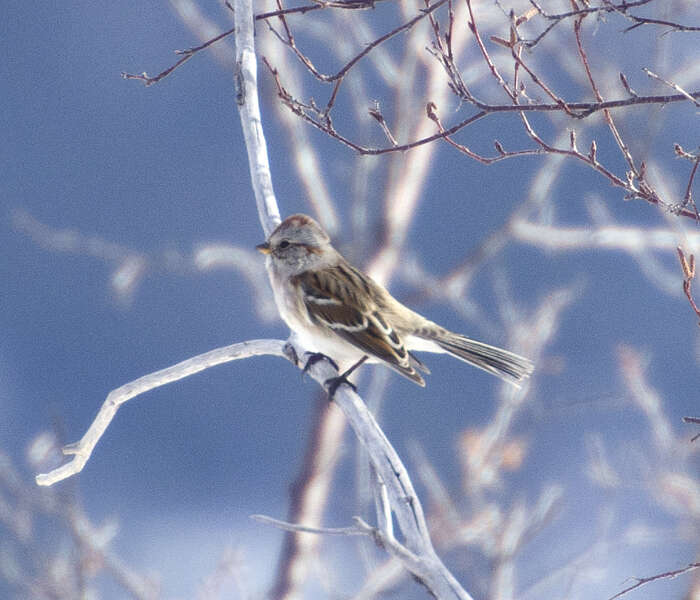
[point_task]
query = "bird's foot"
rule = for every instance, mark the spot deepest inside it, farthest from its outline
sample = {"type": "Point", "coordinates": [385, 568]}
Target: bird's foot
{"type": "Point", "coordinates": [313, 357]}
{"type": "Point", "coordinates": [334, 383]}
{"type": "Point", "coordinates": [291, 353]}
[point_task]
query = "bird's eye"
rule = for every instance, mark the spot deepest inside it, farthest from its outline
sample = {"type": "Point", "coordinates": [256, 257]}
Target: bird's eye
{"type": "Point", "coordinates": [284, 244]}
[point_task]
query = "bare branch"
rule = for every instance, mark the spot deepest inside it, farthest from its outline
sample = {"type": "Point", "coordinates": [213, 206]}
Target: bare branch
{"type": "Point", "coordinates": [376, 114]}
{"type": "Point", "coordinates": [645, 580]}
{"type": "Point", "coordinates": [344, 4]}
{"type": "Point", "coordinates": [296, 528]}
{"type": "Point", "coordinates": [613, 237]}
{"type": "Point", "coordinates": [81, 451]}
{"type": "Point", "coordinates": [403, 499]}
{"type": "Point", "coordinates": [608, 117]}
{"type": "Point", "coordinates": [688, 266]}
{"type": "Point", "coordinates": [696, 421]}
{"type": "Point", "coordinates": [190, 52]}
{"type": "Point", "coordinates": [605, 7]}
{"type": "Point", "coordinates": [639, 21]}
{"type": "Point", "coordinates": [246, 77]}
{"type": "Point", "coordinates": [670, 84]}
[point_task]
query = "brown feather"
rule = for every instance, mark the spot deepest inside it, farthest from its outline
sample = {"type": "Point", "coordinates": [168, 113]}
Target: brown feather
{"type": "Point", "coordinates": [355, 318]}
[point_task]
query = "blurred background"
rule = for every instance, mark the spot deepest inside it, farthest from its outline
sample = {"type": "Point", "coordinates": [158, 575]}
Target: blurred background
{"type": "Point", "coordinates": [128, 227]}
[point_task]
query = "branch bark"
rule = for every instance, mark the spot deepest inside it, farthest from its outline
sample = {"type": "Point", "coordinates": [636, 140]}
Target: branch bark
{"type": "Point", "coordinates": [82, 449]}
{"type": "Point", "coordinates": [418, 554]}
{"type": "Point", "coordinates": [391, 471]}
{"type": "Point", "coordinates": [246, 79]}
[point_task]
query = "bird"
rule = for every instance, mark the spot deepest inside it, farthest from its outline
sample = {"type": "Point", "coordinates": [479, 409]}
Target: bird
{"type": "Point", "coordinates": [337, 311]}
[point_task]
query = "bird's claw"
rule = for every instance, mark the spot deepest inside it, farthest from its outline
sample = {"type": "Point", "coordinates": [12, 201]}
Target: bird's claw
{"type": "Point", "coordinates": [334, 383]}
{"type": "Point", "coordinates": [291, 354]}
{"type": "Point", "coordinates": [313, 358]}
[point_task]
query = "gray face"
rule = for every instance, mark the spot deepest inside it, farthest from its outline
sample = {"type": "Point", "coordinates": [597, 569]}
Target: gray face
{"type": "Point", "coordinates": [299, 244]}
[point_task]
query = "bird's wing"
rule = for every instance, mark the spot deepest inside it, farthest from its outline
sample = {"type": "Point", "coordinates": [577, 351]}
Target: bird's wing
{"type": "Point", "coordinates": [340, 298]}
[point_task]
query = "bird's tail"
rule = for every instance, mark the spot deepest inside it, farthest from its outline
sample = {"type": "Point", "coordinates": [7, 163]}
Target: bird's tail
{"type": "Point", "coordinates": [502, 363]}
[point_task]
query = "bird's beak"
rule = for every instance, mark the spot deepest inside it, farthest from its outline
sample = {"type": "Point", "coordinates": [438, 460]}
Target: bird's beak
{"type": "Point", "coordinates": [264, 248]}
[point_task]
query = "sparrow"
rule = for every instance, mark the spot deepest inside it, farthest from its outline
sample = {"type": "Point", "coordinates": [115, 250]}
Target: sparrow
{"type": "Point", "coordinates": [338, 311]}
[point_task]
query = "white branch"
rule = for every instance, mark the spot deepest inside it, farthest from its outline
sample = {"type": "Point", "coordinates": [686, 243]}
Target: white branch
{"type": "Point", "coordinates": [286, 526]}
{"type": "Point", "coordinates": [419, 556]}
{"type": "Point", "coordinates": [246, 77]}
{"type": "Point", "coordinates": [82, 450]}
{"type": "Point", "coordinates": [610, 237]}
{"type": "Point", "coordinates": [402, 497]}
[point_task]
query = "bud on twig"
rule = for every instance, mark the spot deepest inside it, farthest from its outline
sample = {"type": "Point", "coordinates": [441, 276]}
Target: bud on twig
{"type": "Point", "coordinates": [430, 110]}
{"type": "Point", "coordinates": [592, 152]}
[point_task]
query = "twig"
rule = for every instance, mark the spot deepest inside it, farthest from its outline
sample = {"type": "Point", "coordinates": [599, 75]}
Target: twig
{"type": "Point", "coordinates": [608, 117]}
{"type": "Point", "coordinates": [190, 52]}
{"type": "Point", "coordinates": [670, 84]}
{"type": "Point", "coordinates": [294, 527]}
{"type": "Point", "coordinates": [688, 197]}
{"type": "Point", "coordinates": [695, 420]}
{"type": "Point", "coordinates": [688, 266]}
{"type": "Point", "coordinates": [580, 109]}
{"type": "Point", "coordinates": [689, 188]}
{"type": "Point", "coordinates": [147, 80]}
{"type": "Point", "coordinates": [302, 110]}
{"type": "Point", "coordinates": [376, 114]}
{"type": "Point", "coordinates": [555, 19]}
{"type": "Point", "coordinates": [345, 4]}
{"type": "Point", "coordinates": [639, 21]}
{"type": "Point", "coordinates": [484, 52]}
{"type": "Point", "coordinates": [431, 111]}
{"type": "Point", "coordinates": [645, 580]}
{"type": "Point", "coordinates": [337, 77]}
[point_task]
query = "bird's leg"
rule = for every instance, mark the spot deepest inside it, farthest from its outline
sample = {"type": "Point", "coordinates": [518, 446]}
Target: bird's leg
{"type": "Point", "coordinates": [291, 353]}
{"type": "Point", "coordinates": [333, 383]}
{"type": "Point", "coordinates": [313, 358]}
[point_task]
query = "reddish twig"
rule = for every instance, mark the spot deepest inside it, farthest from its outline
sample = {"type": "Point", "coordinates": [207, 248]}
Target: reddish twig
{"type": "Point", "coordinates": [484, 52]}
{"type": "Point", "coordinates": [516, 54]}
{"type": "Point", "coordinates": [555, 19]}
{"type": "Point", "coordinates": [688, 266]}
{"type": "Point", "coordinates": [326, 125]}
{"type": "Point", "coordinates": [443, 52]}
{"type": "Point", "coordinates": [337, 77]}
{"type": "Point", "coordinates": [606, 7]}
{"type": "Point", "coordinates": [431, 110]}
{"type": "Point", "coordinates": [608, 117]}
{"type": "Point", "coordinates": [639, 21]}
{"type": "Point", "coordinates": [190, 52]}
{"type": "Point", "coordinates": [147, 80]}
{"type": "Point", "coordinates": [345, 4]}
{"type": "Point", "coordinates": [634, 183]}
